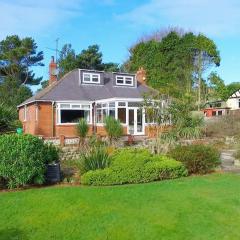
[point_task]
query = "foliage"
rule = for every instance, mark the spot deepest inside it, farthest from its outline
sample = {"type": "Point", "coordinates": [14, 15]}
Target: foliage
{"type": "Point", "coordinates": [174, 62]}
{"type": "Point", "coordinates": [135, 166]}
{"type": "Point", "coordinates": [90, 58]}
{"type": "Point", "coordinates": [95, 158]}
{"type": "Point", "coordinates": [82, 128]}
{"type": "Point", "coordinates": [113, 127]}
{"type": "Point", "coordinates": [23, 159]}
{"type": "Point", "coordinates": [197, 158]}
{"type": "Point", "coordinates": [12, 93]}
{"type": "Point", "coordinates": [67, 59]}
{"type": "Point", "coordinates": [187, 125]}
{"type": "Point", "coordinates": [218, 90]}
{"type": "Point", "coordinates": [17, 56]}
{"type": "Point", "coordinates": [8, 116]}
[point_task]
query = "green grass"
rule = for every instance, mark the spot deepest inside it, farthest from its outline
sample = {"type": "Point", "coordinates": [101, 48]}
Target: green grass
{"type": "Point", "coordinates": [203, 207]}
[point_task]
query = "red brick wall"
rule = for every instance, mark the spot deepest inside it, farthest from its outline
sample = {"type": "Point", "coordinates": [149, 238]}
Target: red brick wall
{"type": "Point", "coordinates": [44, 125]}
{"type": "Point", "coordinates": [29, 126]}
{"type": "Point", "coordinates": [45, 122]}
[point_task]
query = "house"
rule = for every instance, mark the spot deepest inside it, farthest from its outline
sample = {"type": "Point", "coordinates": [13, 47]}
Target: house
{"type": "Point", "coordinates": [89, 94]}
{"type": "Point", "coordinates": [233, 101]}
{"type": "Point", "coordinates": [216, 108]}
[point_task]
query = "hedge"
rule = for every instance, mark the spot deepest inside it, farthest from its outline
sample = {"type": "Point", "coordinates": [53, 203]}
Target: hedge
{"type": "Point", "coordinates": [135, 166]}
{"type": "Point", "coordinates": [23, 159]}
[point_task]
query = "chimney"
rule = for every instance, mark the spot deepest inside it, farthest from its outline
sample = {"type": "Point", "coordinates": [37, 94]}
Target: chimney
{"type": "Point", "coordinates": [141, 76]}
{"type": "Point", "coordinates": [52, 71]}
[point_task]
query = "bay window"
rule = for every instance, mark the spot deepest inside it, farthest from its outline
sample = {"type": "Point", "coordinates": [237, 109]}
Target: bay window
{"type": "Point", "coordinates": [72, 113]}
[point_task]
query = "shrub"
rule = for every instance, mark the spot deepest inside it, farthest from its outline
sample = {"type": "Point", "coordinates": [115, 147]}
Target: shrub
{"type": "Point", "coordinates": [95, 158]}
{"type": "Point", "coordinates": [82, 129]}
{"type": "Point", "coordinates": [135, 166]}
{"type": "Point", "coordinates": [113, 127]}
{"type": "Point", "coordinates": [8, 116]}
{"type": "Point", "coordinates": [197, 158]}
{"type": "Point", "coordinates": [23, 159]}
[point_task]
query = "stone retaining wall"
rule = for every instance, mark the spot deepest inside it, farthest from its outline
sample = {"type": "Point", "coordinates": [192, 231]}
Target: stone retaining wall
{"type": "Point", "coordinates": [70, 153]}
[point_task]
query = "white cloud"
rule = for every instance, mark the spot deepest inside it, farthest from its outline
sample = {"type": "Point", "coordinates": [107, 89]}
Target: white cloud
{"type": "Point", "coordinates": [213, 17]}
{"type": "Point", "coordinates": [35, 17]}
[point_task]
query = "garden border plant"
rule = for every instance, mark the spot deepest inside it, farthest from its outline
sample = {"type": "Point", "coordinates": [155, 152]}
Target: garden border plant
{"type": "Point", "coordinates": [24, 158]}
{"type": "Point", "coordinates": [135, 166]}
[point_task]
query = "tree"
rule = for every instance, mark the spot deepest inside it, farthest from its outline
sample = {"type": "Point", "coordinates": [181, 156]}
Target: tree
{"type": "Point", "coordinates": [173, 60]}
{"type": "Point", "coordinates": [8, 116]}
{"type": "Point", "coordinates": [17, 56]}
{"type": "Point", "coordinates": [206, 55]}
{"type": "Point", "coordinates": [12, 93]}
{"type": "Point", "coordinates": [90, 58]}
{"type": "Point", "coordinates": [217, 88]}
{"type": "Point", "coordinates": [67, 59]}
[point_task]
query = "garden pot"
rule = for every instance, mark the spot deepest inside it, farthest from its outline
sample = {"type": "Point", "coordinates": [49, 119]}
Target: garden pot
{"type": "Point", "coordinates": [53, 174]}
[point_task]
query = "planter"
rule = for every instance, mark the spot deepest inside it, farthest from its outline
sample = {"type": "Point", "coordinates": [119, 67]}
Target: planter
{"type": "Point", "coordinates": [53, 174]}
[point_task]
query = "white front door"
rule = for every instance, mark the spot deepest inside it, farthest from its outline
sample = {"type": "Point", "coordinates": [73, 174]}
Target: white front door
{"type": "Point", "coordinates": [135, 121]}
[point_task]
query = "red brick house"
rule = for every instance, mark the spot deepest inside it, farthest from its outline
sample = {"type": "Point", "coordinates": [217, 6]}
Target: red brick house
{"type": "Point", "coordinates": [89, 94]}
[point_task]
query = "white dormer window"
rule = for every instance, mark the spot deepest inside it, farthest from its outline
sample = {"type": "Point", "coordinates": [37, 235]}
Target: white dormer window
{"type": "Point", "coordinates": [124, 80]}
{"type": "Point", "coordinates": [91, 78]}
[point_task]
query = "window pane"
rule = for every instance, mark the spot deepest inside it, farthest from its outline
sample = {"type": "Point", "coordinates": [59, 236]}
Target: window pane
{"type": "Point", "coordinates": [95, 78]}
{"type": "Point", "coordinates": [122, 115]}
{"type": "Point", "coordinates": [121, 104]}
{"type": "Point", "coordinates": [120, 81]}
{"type": "Point", "coordinates": [112, 104]}
{"type": "Point", "coordinates": [112, 112]}
{"type": "Point", "coordinates": [73, 116]}
{"type": "Point", "coordinates": [134, 104]}
{"type": "Point", "coordinates": [64, 105]}
{"type": "Point", "coordinates": [86, 78]}
{"type": "Point", "coordinates": [104, 111]}
{"type": "Point", "coordinates": [76, 106]}
{"type": "Point", "coordinates": [86, 106]}
{"type": "Point", "coordinates": [128, 82]}
{"type": "Point", "coordinates": [99, 116]}
{"type": "Point", "coordinates": [99, 105]}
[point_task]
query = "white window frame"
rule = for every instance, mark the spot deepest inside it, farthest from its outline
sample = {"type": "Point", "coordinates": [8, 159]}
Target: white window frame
{"type": "Point", "coordinates": [124, 80]}
{"type": "Point", "coordinates": [72, 106]}
{"type": "Point", "coordinates": [25, 113]}
{"type": "Point", "coordinates": [91, 77]}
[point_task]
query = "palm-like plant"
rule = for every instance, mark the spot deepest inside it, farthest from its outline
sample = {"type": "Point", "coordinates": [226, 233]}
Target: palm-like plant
{"type": "Point", "coordinates": [82, 129]}
{"type": "Point", "coordinates": [113, 127]}
{"type": "Point", "coordinates": [95, 158]}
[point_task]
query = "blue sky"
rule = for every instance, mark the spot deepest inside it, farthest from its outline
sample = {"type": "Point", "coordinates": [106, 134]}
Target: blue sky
{"type": "Point", "coordinates": [116, 24]}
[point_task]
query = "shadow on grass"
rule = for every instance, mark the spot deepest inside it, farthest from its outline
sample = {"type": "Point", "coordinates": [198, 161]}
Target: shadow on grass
{"type": "Point", "coordinates": [12, 234]}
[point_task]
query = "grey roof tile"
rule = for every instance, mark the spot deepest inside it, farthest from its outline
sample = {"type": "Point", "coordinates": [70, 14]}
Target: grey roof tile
{"type": "Point", "coordinates": [68, 88]}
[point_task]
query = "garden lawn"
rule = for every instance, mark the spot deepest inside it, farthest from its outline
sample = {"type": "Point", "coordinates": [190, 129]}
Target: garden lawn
{"type": "Point", "coordinates": [202, 207]}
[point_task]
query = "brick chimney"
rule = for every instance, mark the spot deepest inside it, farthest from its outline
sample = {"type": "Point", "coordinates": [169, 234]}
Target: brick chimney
{"type": "Point", "coordinates": [141, 76]}
{"type": "Point", "coordinates": [52, 71]}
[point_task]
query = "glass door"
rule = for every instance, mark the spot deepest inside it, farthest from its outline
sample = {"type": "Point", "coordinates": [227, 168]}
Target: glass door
{"type": "Point", "coordinates": [139, 122]}
{"type": "Point", "coordinates": [135, 121]}
{"type": "Point", "coordinates": [131, 121]}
